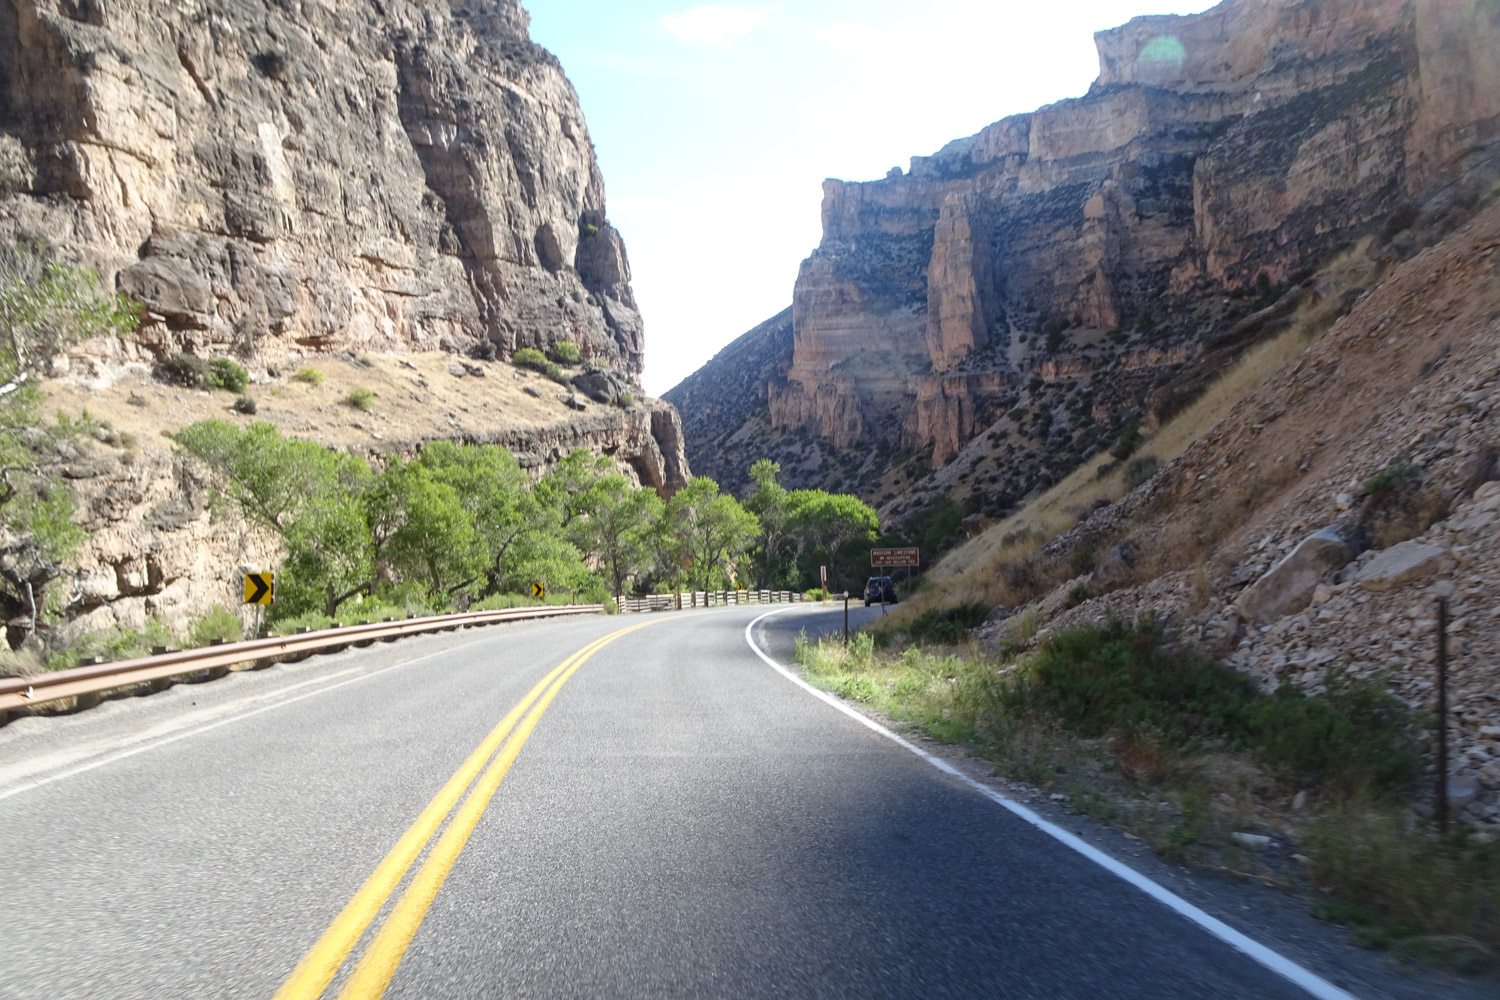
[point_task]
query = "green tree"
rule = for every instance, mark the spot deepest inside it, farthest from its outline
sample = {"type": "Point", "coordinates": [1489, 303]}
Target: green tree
{"type": "Point", "coordinates": [711, 528]}
{"type": "Point", "coordinates": [571, 491]}
{"type": "Point", "coordinates": [770, 504]}
{"type": "Point", "coordinates": [618, 533]}
{"type": "Point", "coordinates": [420, 527]}
{"type": "Point", "coordinates": [496, 492]}
{"type": "Point", "coordinates": [547, 557]}
{"type": "Point", "coordinates": [309, 496]}
{"type": "Point", "coordinates": [824, 523]}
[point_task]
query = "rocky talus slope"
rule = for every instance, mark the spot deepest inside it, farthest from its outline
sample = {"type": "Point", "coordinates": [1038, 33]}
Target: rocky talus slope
{"type": "Point", "coordinates": [273, 177]}
{"type": "Point", "coordinates": [1115, 244]}
{"type": "Point", "coordinates": [1309, 530]}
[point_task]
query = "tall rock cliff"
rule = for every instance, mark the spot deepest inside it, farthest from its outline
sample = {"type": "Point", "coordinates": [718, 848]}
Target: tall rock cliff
{"type": "Point", "coordinates": [280, 175]}
{"type": "Point", "coordinates": [381, 184]}
{"type": "Point", "coordinates": [1111, 244]}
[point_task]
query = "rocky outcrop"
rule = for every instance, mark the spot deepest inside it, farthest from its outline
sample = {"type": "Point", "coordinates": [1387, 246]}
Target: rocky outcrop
{"type": "Point", "coordinates": [275, 178]}
{"type": "Point", "coordinates": [1218, 158]}
{"type": "Point", "coordinates": [1290, 584]}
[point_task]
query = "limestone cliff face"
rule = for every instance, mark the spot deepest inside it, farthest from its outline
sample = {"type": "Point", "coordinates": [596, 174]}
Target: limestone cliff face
{"type": "Point", "coordinates": [1215, 155]}
{"type": "Point", "coordinates": [381, 183]}
{"type": "Point", "coordinates": [319, 174]}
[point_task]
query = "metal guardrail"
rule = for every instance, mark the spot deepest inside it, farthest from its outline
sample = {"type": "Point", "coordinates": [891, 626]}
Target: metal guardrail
{"type": "Point", "coordinates": [91, 681]}
{"type": "Point", "coordinates": [706, 599]}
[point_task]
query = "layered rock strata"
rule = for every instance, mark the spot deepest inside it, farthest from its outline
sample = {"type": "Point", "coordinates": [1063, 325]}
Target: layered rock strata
{"type": "Point", "coordinates": [1223, 154]}
{"type": "Point", "coordinates": [275, 177]}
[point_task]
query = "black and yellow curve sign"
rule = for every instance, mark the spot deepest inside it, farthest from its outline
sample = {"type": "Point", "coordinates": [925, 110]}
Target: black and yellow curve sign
{"type": "Point", "coordinates": [260, 588]}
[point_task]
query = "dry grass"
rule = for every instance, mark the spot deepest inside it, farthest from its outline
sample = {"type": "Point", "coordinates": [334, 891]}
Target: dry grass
{"type": "Point", "coordinates": [414, 398]}
{"type": "Point", "coordinates": [1249, 373]}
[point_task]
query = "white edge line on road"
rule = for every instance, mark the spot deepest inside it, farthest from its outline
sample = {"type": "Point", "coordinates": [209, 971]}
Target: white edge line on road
{"type": "Point", "coordinates": [71, 771]}
{"type": "Point", "coordinates": [1276, 962]}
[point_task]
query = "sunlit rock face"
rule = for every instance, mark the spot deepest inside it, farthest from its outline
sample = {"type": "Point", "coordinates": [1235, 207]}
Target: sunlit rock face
{"type": "Point", "coordinates": [1215, 154]}
{"type": "Point", "coordinates": [314, 174]}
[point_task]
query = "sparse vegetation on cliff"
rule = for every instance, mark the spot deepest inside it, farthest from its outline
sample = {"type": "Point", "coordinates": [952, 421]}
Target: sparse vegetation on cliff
{"type": "Point", "coordinates": [361, 398]}
{"type": "Point", "coordinates": [45, 305]}
{"type": "Point", "coordinates": [564, 352]}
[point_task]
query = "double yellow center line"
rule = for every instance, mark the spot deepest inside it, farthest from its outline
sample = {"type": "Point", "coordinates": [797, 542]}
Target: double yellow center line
{"type": "Point", "coordinates": [378, 963]}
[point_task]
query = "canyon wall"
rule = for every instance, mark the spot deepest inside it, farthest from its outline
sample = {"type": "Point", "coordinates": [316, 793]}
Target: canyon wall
{"type": "Point", "coordinates": [1217, 159]}
{"type": "Point", "coordinates": [276, 176]}
{"type": "Point", "coordinates": [366, 186]}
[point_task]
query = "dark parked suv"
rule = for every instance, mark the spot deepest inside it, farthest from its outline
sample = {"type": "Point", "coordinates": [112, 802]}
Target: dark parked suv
{"type": "Point", "coordinates": [880, 588]}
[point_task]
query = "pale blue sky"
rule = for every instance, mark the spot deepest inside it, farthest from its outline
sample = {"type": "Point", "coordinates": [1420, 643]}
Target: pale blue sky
{"type": "Point", "coordinates": [716, 124]}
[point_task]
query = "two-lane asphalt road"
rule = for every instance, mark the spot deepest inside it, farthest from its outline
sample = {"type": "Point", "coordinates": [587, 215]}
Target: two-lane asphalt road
{"type": "Point", "coordinates": [601, 807]}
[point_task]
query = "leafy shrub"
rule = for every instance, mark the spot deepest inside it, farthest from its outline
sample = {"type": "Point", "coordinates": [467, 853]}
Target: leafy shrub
{"type": "Point", "coordinates": [21, 662]}
{"type": "Point", "coordinates": [1139, 470]}
{"type": "Point", "coordinates": [226, 373]}
{"type": "Point", "coordinates": [360, 398]}
{"type": "Point", "coordinates": [112, 645]}
{"type": "Point", "coordinates": [1111, 679]}
{"type": "Point", "coordinates": [313, 621]}
{"type": "Point", "coordinates": [1083, 558]}
{"type": "Point", "coordinates": [1355, 734]}
{"type": "Point", "coordinates": [244, 404]}
{"type": "Point", "coordinates": [564, 352]}
{"type": "Point", "coordinates": [309, 375]}
{"type": "Point", "coordinates": [218, 622]}
{"type": "Point", "coordinates": [1394, 476]}
{"type": "Point", "coordinates": [529, 357]}
{"type": "Point", "coordinates": [555, 373]}
{"type": "Point", "coordinates": [501, 602]}
{"type": "Point", "coordinates": [185, 370]}
{"type": "Point", "coordinates": [1078, 594]}
{"type": "Point", "coordinates": [1127, 442]}
{"type": "Point", "coordinates": [948, 625]}
{"type": "Point", "coordinates": [626, 401]}
{"type": "Point", "coordinates": [486, 350]}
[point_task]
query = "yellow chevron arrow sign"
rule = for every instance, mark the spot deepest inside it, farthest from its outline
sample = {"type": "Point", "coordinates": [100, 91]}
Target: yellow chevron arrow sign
{"type": "Point", "coordinates": [260, 588]}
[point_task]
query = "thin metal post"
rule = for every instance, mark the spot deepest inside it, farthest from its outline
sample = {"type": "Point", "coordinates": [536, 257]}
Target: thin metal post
{"type": "Point", "coordinates": [846, 617]}
{"type": "Point", "coordinates": [1441, 808]}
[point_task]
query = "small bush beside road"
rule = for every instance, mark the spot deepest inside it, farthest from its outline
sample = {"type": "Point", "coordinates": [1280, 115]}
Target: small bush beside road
{"type": "Point", "coordinates": [1133, 729]}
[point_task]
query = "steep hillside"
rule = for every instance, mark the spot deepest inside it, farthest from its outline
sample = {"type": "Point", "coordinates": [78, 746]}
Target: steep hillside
{"type": "Point", "coordinates": [1063, 274]}
{"type": "Point", "coordinates": [1304, 531]}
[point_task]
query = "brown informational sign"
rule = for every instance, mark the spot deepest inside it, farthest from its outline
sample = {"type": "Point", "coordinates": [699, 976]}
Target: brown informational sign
{"type": "Point", "coordinates": [887, 558]}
